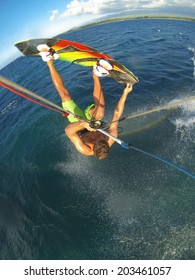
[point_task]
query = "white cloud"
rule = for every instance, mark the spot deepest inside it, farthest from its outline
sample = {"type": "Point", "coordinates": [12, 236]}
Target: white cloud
{"type": "Point", "coordinates": [77, 7]}
{"type": "Point", "coordinates": [54, 13]}
{"type": "Point", "coordinates": [154, 4]}
{"type": "Point", "coordinates": [101, 7]}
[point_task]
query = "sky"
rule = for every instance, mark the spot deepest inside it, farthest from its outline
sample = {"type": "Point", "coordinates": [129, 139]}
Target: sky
{"type": "Point", "coordinates": [23, 20]}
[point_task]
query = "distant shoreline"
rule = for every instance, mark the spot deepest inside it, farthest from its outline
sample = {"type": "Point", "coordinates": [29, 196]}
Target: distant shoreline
{"type": "Point", "coordinates": [110, 20]}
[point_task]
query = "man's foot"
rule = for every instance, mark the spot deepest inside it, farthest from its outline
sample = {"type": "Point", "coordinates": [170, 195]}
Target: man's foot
{"type": "Point", "coordinates": [102, 68]}
{"type": "Point", "coordinates": [47, 53]}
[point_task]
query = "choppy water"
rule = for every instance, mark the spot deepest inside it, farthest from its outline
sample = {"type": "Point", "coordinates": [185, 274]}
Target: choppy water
{"type": "Point", "coordinates": [58, 204]}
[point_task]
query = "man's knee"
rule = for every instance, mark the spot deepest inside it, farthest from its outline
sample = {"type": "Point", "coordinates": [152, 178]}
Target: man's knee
{"type": "Point", "coordinates": [99, 114]}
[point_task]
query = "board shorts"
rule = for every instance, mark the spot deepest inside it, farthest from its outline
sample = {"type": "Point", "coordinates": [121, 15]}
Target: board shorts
{"type": "Point", "coordinates": [72, 107]}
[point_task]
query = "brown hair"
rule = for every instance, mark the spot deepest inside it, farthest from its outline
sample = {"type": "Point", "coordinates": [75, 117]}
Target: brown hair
{"type": "Point", "coordinates": [101, 149]}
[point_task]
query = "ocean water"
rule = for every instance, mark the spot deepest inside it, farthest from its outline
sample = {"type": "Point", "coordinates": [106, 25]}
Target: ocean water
{"type": "Point", "coordinates": [58, 204]}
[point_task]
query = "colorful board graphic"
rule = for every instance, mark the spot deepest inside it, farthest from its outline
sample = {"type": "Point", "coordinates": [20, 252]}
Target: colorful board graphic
{"type": "Point", "coordinates": [79, 54]}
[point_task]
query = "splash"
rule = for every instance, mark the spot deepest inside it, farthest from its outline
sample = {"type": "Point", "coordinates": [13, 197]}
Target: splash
{"type": "Point", "coordinates": [188, 119]}
{"type": "Point", "coordinates": [185, 124]}
{"type": "Point", "coordinates": [193, 57]}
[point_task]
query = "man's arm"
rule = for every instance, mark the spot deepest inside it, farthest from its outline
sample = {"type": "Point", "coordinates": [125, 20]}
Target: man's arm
{"type": "Point", "coordinates": [118, 113]}
{"type": "Point", "coordinates": [72, 132]}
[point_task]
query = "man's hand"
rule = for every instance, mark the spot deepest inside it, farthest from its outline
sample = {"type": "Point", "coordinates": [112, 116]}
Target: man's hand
{"type": "Point", "coordinates": [128, 88]}
{"type": "Point", "coordinates": [88, 127]}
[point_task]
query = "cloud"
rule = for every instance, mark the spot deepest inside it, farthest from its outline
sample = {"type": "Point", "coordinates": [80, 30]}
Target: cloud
{"type": "Point", "coordinates": [168, 3]}
{"type": "Point", "coordinates": [54, 13]}
{"type": "Point", "coordinates": [103, 7]}
{"type": "Point", "coordinates": [76, 8]}
{"type": "Point", "coordinates": [154, 4]}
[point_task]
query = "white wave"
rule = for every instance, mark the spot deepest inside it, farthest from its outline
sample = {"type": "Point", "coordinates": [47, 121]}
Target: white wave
{"type": "Point", "coordinates": [191, 49]}
{"type": "Point", "coordinates": [193, 57]}
{"type": "Point", "coordinates": [9, 107]}
{"type": "Point", "coordinates": [189, 107]}
{"type": "Point", "coordinates": [188, 118]}
{"type": "Point", "coordinates": [185, 124]}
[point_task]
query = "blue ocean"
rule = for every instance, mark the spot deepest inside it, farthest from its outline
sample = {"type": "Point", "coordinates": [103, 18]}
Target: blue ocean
{"type": "Point", "coordinates": [58, 204]}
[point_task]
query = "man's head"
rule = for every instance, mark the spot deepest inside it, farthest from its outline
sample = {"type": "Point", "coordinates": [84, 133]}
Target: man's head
{"type": "Point", "coordinates": [101, 149]}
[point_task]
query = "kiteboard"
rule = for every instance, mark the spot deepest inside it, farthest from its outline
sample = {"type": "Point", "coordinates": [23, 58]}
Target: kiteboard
{"type": "Point", "coordinates": [77, 53]}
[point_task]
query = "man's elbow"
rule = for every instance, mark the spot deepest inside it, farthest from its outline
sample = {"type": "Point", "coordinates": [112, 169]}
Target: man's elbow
{"type": "Point", "coordinates": [68, 131]}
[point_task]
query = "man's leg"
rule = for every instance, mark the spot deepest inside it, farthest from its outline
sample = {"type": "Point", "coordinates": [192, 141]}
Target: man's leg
{"type": "Point", "coordinates": [58, 82]}
{"type": "Point", "coordinates": [48, 55]}
{"type": "Point", "coordinates": [97, 112]}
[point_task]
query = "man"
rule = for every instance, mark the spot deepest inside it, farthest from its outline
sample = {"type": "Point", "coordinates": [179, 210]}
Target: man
{"type": "Point", "coordinates": [88, 141]}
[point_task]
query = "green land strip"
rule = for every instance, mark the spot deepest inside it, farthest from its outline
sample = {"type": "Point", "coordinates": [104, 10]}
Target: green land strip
{"type": "Point", "coordinates": [136, 18]}
{"type": "Point", "coordinates": [110, 20]}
